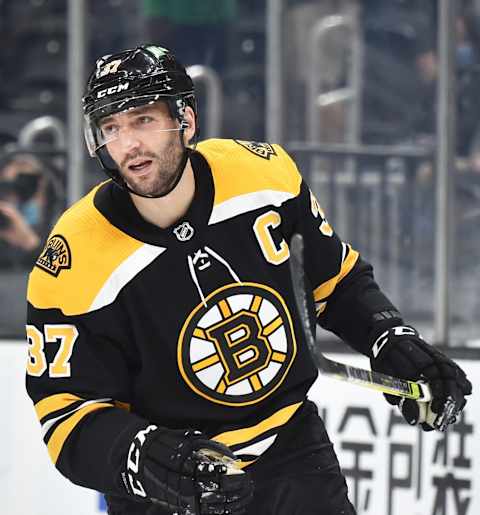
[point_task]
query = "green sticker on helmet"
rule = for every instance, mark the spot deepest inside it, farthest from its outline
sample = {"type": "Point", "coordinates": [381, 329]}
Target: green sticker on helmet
{"type": "Point", "coordinates": [157, 51]}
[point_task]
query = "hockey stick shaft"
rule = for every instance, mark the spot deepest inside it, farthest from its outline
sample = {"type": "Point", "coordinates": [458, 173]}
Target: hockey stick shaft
{"type": "Point", "coordinates": [360, 376]}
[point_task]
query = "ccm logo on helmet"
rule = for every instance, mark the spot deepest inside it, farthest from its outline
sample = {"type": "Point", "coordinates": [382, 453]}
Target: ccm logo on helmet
{"type": "Point", "coordinates": [113, 89]}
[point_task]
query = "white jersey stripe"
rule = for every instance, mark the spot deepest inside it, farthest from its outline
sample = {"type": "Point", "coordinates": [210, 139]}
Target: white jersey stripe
{"type": "Point", "coordinates": [257, 448]}
{"type": "Point", "coordinates": [124, 273]}
{"type": "Point", "coordinates": [49, 423]}
{"type": "Point", "coordinates": [248, 202]}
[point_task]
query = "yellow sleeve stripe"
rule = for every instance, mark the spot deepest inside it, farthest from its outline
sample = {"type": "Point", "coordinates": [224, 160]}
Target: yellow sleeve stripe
{"type": "Point", "coordinates": [122, 405]}
{"type": "Point", "coordinates": [325, 289]}
{"type": "Point", "coordinates": [61, 433]}
{"type": "Point", "coordinates": [63, 400]}
{"type": "Point", "coordinates": [55, 403]}
{"type": "Point", "coordinates": [245, 434]}
{"type": "Point", "coordinates": [242, 464]}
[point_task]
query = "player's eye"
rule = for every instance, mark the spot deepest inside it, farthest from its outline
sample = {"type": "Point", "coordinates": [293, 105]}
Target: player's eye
{"type": "Point", "coordinates": [109, 129]}
{"type": "Point", "coordinates": [144, 120]}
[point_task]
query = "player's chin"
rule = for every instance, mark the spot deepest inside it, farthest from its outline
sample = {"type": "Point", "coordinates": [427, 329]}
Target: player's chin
{"type": "Point", "coordinates": [152, 190]}
{"type": "Point", "coordinates": [151, 185]}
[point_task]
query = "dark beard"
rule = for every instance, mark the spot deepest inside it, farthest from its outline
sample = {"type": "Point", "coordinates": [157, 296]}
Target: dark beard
{"type": "Point", "coordinates": [165, 175]}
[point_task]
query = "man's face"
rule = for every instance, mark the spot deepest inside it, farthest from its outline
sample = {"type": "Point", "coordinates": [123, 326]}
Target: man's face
{"type": "Point", "coordinates": [145, 145]}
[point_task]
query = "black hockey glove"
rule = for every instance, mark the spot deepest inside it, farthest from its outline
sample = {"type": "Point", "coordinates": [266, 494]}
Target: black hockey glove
{"type": "Point", "coordinates": [401, 352]}
{"type": "Point", "coordinates": [185, 472]}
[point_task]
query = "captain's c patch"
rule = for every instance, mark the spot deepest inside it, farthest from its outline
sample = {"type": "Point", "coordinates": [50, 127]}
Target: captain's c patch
{"type": "Point", "coordinates": [237, 348]}
{"type": "Point", "coordinates": [264, 150]}
{"type": "Point", "coordinates": [56, 256]}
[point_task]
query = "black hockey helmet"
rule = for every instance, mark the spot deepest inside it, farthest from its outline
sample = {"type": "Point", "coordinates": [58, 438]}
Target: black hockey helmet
{"type": "Point", "coordinates": [129, 79]}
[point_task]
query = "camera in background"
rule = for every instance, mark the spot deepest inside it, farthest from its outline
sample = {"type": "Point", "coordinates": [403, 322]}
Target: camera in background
{"type": "Point", "coordinates": [23, 186]}
{"type": "Point", "coordinates": [4, 221]}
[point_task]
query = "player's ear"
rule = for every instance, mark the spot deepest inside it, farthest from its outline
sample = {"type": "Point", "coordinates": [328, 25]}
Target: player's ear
{"type": "Point", "coordinates": [188, 124]}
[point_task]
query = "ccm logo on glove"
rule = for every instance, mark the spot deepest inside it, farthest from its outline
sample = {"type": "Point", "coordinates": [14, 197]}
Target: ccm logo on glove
{"type": "Point", "coordinates": [133, 461]}
{"type": "Point", "coordinates": [399, 330]}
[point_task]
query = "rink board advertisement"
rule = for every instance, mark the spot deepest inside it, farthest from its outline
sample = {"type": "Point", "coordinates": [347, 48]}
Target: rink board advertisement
{"type": "Point", "coordinates": [391, 468]}
{"type": "Point", "coordinates": [396, 469]}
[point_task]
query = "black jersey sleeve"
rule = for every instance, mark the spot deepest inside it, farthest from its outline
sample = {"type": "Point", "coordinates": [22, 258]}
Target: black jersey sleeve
{"type": "Point", "coordinates": [81, 356]}
{"type": "Point", "coordinates": [77, 378]}
{"type": "Point", "coordinates": [347, 299]}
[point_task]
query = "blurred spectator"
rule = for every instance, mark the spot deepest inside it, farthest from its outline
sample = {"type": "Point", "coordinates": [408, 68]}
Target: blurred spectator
{"type": "Point", "coordinates": [468, 84]}
{"type": "Point", "coordinates": [22, 204]}
{"type": "Point", "coordinates": [399, 69]}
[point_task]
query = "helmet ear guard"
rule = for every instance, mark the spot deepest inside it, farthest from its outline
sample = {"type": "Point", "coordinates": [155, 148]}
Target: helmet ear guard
{"type": "Point", "coordinates": [177, 108]}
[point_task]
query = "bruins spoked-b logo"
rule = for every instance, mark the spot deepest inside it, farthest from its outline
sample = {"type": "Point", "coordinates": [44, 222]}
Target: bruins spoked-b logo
{"type": "Point", "coordinates": [56, 256]}
{"type": "Point", "coordinates": [238, 348]}
{"type": "Point", "coordinates": [264, 150]}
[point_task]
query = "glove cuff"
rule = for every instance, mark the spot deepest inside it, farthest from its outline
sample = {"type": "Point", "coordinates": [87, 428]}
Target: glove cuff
{"type": "Point", "coordinates": [381, 322]}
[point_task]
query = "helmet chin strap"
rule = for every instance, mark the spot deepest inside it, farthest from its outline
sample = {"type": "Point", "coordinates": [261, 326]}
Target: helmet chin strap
{"type": "Point", "coordinates": [119, 181]}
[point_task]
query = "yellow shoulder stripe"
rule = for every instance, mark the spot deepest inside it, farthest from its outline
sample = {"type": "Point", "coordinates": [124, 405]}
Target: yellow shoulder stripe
{"type": "Point", "coordinates": [97, 250]}
{"type": "Point", "coordinates": [325, 289]}
{"type": "Point", "coordinates": [236, 171]}
{"type": "Point", "coordinates": [238, 436]}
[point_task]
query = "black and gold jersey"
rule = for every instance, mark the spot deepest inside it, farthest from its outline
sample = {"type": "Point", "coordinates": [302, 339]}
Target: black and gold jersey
{"type": "Point", "coordinates": [189, 326]}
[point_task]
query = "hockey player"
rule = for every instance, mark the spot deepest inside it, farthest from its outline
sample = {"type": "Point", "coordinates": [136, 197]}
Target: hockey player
{"type": "Point", "coordinates": [166, 363]}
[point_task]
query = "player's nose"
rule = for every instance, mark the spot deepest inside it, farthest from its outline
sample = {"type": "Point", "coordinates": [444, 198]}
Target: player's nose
{"type": "Point", "coordinates": [129, 139]}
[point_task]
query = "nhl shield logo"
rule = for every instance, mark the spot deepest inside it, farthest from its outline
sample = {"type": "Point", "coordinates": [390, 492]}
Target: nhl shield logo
{"type": "Point", "coordinates": [56, 256]}
{"type": "Point", "coordinates": [263, 150]}
{"type": "Point", "coordinates": [183, 232]}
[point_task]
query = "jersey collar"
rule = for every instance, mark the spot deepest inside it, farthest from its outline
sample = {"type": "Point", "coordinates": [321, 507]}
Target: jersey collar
{"type": "Point", "coordinates": [117, 207]}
